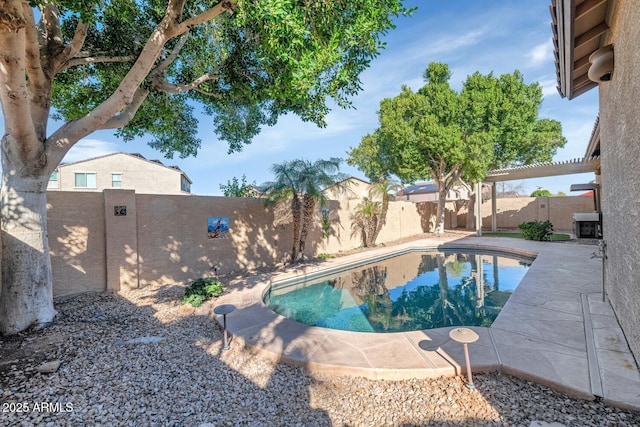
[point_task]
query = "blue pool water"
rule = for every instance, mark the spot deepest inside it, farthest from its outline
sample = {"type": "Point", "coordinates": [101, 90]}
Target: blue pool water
{"type": "Point", "coordinates": [413, 291]}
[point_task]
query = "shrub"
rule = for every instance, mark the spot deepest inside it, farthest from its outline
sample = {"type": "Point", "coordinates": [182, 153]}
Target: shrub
{"type": "Point", "coordinates": [324, 256]}
{"type": "Point", "coordinates": [201, 290]}
{"type": "Point", "coordinates": [536, 230]}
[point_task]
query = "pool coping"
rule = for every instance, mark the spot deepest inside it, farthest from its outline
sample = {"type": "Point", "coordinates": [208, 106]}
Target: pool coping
{"type": "Point", "coordinates": [554, 330]}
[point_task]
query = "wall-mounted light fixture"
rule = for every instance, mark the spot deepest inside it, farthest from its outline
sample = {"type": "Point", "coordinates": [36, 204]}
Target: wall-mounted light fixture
{"type": "Point", "coordinates": [601, 64]}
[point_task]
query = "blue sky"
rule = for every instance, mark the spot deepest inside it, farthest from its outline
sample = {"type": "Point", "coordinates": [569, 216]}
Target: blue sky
{"type": "Point", "coordinates": [469, 36]}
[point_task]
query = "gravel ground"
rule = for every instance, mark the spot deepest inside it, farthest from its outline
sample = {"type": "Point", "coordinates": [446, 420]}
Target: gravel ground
{"type": "Point", "coordinates": [187, 379]}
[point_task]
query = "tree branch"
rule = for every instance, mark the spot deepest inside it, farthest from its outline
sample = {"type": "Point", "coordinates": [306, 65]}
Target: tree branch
{"type": "Point", "coordinates": [452, 172]}
{"type": "Point", "coordinates": [126, 115]}
{"type": "Point", "coordinates": [128, 92]}
{"type": "Point", "coordinates": [179, 88]}
{"type": "Point", "coordinates": [32, 49]}
{"type": "Point", "coordinates": [208, 15]}
{"type": "Point", "coordinates": [39, 85]}
{"type": "Point", "coordinates": [72, 48]}
{"type": "Point", "coordinates": [51, 25]}
{"type": "Point", "coordinates": [76, 62]}
{"type": "Point", "coordinates": [14, 94]}
{"type": "Point", "coordinates": [12, 16]}
{"type": "Point", "coordinates": [161, 68]}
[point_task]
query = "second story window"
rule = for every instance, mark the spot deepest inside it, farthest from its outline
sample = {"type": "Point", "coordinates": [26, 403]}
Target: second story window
{"type": "Point", "coordinates": [185, 185]}
{"type": "Point", "coordinates": [116, 180]}
{"type": "Point", "coordinates": [53, 180]}
{"type": "Point", "coordinates": [85, 180]}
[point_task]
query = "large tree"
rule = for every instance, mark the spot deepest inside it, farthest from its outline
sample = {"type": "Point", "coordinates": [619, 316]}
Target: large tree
{"type": "Point", "coordinates": [143, 67]}
{"type": "Point", "coordinates": [439, 134]}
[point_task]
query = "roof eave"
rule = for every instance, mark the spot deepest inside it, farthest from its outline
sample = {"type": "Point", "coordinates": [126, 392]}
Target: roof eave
{"type": "Point", "coordinates": [578, 31]}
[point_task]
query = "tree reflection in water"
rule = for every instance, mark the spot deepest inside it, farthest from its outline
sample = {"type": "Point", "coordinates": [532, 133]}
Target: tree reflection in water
{"type": "Point", "coordinates": [448, 289]}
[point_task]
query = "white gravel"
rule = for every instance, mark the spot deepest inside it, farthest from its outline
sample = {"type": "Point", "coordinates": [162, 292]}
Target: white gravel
{"type": "Point", "coordinates": [142, 359]}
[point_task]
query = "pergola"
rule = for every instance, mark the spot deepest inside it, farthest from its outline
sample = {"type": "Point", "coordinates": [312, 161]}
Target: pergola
{"type": "Point", "coordinates": [540, 170]}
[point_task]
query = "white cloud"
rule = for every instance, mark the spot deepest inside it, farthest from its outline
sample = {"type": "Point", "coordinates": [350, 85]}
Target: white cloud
{"type": "Point", "coordinates": [549, 86]}
{"type": "Point", "coordinates": [88, 148]}
{"type": "Point", "coordinates": [541, 54]}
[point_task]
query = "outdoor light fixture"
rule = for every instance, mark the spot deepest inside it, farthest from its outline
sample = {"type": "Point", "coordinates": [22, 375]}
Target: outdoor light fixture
{"type": "Point", "coordinates": [601, 67]}
{"type": "Point", "coordinates": [465, 336]}
{"type": "Point", "coordinates": [224, 309]}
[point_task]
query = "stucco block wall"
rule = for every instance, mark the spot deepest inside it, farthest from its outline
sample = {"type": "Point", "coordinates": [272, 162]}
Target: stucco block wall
{"type": "Point", "coordinates": [404, 219]}
{"type": "Point", "coordinates": [121, 243]}
{"type": "Point", "coordinates": [174, 245]}
{"type": "Point", "coordinates": [620, 151]}
{"type": "Point", "coordinates": [511, 212]}
{"type": "Point", "coordinates": [163, 239]}
{"type": "Point", "coordinates": [76, 231]}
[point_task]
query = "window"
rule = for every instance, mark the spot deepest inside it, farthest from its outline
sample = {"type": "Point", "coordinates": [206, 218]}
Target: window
{"type": "Point", "coordinates": [53, 180]}
{"type": "Point", "coordinates": [116, 180]}
{"type": "Point", "coordinates": [85, 180]}
{"type": "Point", "coordinates": [185, 185]}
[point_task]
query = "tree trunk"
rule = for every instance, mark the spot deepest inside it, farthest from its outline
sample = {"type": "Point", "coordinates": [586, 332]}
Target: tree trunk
{"type": "Point", "coordinates": [382, 218]}
{"type": "Point", "coordinates": [442, 199]}
{"type": "Point", "coordinates": [309, 205]}
{"type": "Point", "coordinates": [26, 294]}
{"type": "Point", "coordinates": [444, 288]}
{"type": "Point", "coordinates": [295, 212]}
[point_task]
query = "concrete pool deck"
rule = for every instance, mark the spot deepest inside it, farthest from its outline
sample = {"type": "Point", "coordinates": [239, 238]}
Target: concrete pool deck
{"type": "Point", "coordinates": [554, 330]}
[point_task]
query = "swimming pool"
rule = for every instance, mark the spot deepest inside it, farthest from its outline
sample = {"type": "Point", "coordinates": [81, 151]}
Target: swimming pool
{"type": "Point", "coordinates": [412, 291]}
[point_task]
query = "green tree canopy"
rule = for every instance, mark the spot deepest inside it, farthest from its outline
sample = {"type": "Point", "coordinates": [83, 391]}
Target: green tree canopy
{"type": "Point", "coordinates": [439, 134]}
{"type": "Point", "coordinates": [146, 68]}
{"type": "Point", "coordinates": [541, 192]}
{"type": "Point", "coordinates": [238, 188]}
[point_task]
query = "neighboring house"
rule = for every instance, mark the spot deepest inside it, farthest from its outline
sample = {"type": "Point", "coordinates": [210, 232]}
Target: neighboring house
{"type": "Point", "coordinates": [349, 189]}
{"type": "Point", "coordinates": [120, 170]}
{"type": "Point", "coordinates": [597, 45]}
{"type": "Point", "coordinates": [428, 192]}
{"type": "Point", "coordinates": [258, 191]}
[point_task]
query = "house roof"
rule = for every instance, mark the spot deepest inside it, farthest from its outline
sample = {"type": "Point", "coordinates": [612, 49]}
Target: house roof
{"type": "Point", "coordinates": [421, 188]}
{"type": "Point", "coordinates": [135, 155]}
{"type": "Point", "coordinates": [580, 27]}
{"type": "Point", "coordinates": [593, 148]}
{"type": "Point", "coordinates": [347, 181]}
{"type": "Point", "coordinates": [353, 179]}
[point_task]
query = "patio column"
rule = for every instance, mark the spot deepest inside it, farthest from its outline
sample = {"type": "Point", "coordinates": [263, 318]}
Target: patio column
{"type": "Point", "coordinates": [494, 204]}
{"type": "Point", "coordinates": [479, 209]}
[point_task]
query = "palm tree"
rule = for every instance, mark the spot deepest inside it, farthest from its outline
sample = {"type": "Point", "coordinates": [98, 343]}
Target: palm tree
{"type": "Point", "coordinates": [370, 216]}
{"type": "Point", "coordinates": [302, 182]}
{"type": "Point", "coordinates": [365, 219]}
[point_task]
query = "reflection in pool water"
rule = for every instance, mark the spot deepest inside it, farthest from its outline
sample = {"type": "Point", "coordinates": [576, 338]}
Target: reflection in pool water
{"type": "Point", "coordinates": [414, 291]}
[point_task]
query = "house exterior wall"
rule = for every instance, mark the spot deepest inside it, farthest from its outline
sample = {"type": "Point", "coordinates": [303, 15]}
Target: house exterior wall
{"type": "Point", "coordinates": [620, 151]}
{"type": "Point", "coordinates": [141, 175]}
